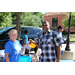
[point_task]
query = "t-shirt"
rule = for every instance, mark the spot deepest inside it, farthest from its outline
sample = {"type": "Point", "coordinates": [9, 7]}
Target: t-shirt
{"type": "Point", "coordinates": [60, 34]}
{"type": "Point", "coordinates": [14, 49]}
{"type": "Point", "coordinates": [26, 38]}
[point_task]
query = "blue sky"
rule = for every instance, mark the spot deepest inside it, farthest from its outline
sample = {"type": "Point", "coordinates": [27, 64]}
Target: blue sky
{"type": "Point", "coordinates": [43, 12]}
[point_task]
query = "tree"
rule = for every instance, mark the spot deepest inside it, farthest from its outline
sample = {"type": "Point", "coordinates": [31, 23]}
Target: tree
{"type": "Point", "coordinates": [27, 19]}
{"type": "Point", "coordinates": [18, 28]}
{"type": "Point", "coordinates": [65, 22]}
{"type": "Point", "coordinates": [5, 19]}
{"type": "Point", "coordinates": [32, 18]}
{"type": "Point", "coordinates": [14, 14]}
{"type": "Point", "coordinates": [40, 15]}
{"type": "Point", "coordinates": [17, 16]}
{"type": "Point", "coordinates": [16, 20]}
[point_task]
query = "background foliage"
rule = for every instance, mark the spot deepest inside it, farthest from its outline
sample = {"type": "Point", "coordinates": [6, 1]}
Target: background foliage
{"type": "Point", "coordinates": [5, 19]}
{"type": "Point", "coordinates": [31, 19]}
{"type": "Point", "coordinates": [27, 19]}
{"type": "Point", "coordinates": [65, 22]}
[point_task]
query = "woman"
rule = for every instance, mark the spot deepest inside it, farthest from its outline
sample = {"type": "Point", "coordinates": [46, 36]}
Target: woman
{"type": "Point", "coordinates": [13, 48]}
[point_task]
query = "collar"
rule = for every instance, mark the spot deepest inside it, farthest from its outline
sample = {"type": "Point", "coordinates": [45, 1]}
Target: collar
{"type": "Point", "coordinates": [47, 31]}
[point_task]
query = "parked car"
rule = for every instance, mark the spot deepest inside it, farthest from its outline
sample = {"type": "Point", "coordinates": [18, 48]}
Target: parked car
{"type": "Point", "coordinates": [1, 28]}
{"type": "Point", "coordinates": [33, 34]}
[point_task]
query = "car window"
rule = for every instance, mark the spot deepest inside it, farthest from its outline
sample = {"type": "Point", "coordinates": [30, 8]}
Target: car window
{"type": "Point", "coordinates": [1, 28]}
{"type": "Point", "coordinates": [5, 30]}
{"type": "Point", "coordinates": [39, 33]}
{"type": "Point", "coordinates": [31, 31]}
{"type": "Point", "coordinates": [6, 35]}
{"type": "Point", "coordinates": [37, 29]}
{"type": "Point", "coordinates": [22, 32]}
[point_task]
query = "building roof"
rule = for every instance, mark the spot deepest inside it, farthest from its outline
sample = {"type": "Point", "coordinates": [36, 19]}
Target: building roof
{"type": "Point", "coordinates": [55, 13]}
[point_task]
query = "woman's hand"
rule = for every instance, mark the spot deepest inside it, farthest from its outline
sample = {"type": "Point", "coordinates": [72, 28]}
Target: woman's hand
{"type": "Point", "coordinates": [6, 57]}
{"type": "Point", "coordinates": [24, 47]}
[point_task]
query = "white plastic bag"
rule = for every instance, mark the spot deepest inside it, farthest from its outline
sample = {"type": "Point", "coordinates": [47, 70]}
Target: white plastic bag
{"type": "Point", "coordinates": [36, 56]}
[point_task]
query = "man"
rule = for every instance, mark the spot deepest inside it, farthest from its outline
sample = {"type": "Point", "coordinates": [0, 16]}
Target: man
{"type": "Point", "coordinates": [45, 42]}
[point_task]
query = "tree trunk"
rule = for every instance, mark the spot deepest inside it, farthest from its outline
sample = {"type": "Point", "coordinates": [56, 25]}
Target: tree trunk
{"type": "Point", "coordinates": [18, 28]}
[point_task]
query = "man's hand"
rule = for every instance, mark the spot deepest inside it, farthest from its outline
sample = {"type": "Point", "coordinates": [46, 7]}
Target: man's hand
{"type": "Point", "coordinates": [58, 61]}
{"type": "Point", "coordinates": [58, 53]}
{"type": "Point", "coordinates": [31, 41]}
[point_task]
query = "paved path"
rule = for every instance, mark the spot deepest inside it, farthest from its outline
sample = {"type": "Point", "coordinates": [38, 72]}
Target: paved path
{"type": "Point", "coordinates": [72, 46]}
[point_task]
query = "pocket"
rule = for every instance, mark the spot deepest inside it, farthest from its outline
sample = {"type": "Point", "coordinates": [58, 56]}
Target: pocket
{"type": "Point", "coordinates": [49, 41]}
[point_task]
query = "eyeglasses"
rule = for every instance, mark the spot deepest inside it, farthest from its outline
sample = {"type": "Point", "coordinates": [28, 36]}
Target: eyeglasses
{"type": "Point", "coordinates": [44, 25]}
{"type": "Point", "coordinates": [13, 35]}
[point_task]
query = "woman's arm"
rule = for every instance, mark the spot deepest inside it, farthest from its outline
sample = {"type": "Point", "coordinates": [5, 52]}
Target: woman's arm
{"type": "Point", "coordinates": [24, 47]}
{"type": "Point", "coordinates": [6, 57]}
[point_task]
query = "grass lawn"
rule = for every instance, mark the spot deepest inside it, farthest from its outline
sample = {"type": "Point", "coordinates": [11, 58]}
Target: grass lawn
{"type": "Point", "coordinates": [72, 40]}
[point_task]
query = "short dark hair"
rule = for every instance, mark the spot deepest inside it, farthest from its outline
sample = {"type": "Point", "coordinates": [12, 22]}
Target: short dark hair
{"type": "Point", "coordinates": [61, 27]}
{"type": "Point", "coordinates": [47, 22]}
{"type": "Point", "coordinates": [26, 31]}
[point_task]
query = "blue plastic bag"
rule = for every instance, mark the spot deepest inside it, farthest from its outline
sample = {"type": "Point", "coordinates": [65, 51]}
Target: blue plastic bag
{"type": "Point", "coordinates": [25, 59]}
